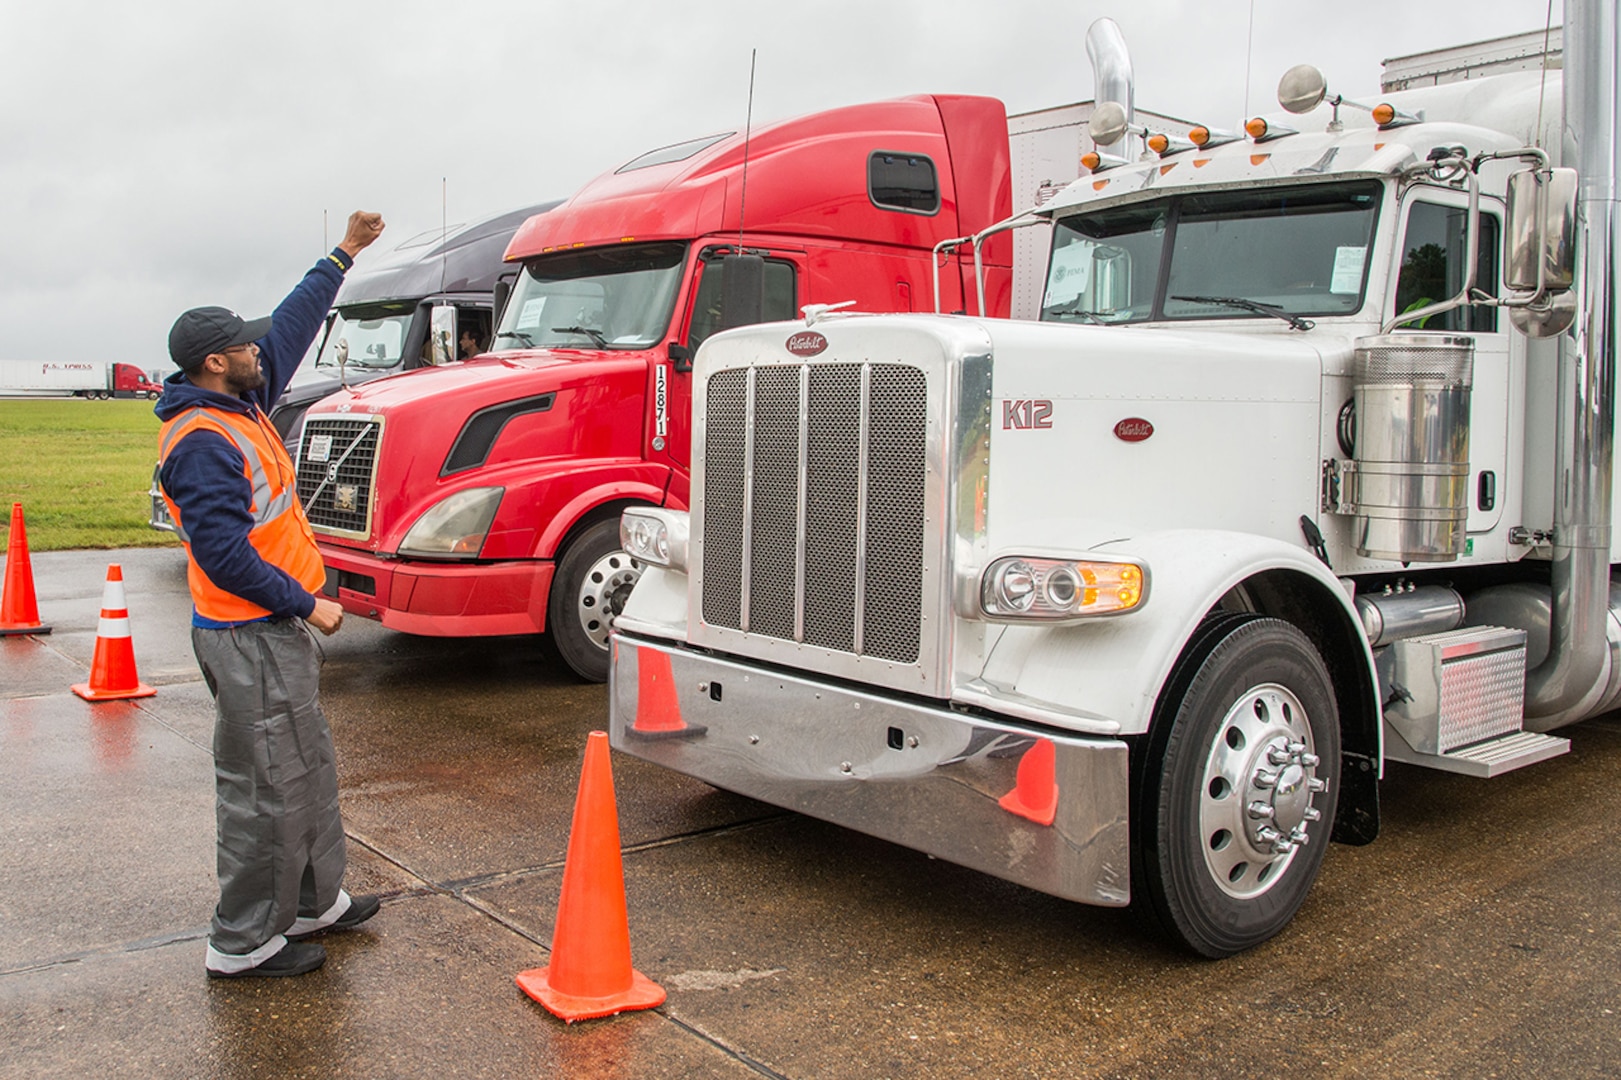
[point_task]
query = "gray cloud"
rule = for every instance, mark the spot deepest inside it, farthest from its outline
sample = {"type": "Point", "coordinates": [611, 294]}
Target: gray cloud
{"type": "Point", "coordinates": [175, 153]}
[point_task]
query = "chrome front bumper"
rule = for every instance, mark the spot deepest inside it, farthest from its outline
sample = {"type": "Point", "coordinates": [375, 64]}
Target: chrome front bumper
{"type": "Point", "coordinates": [1037, 807]}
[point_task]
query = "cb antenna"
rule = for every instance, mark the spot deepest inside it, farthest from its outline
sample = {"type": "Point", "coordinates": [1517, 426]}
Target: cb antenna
{"type": "Point", "coordinates": [748, 125]}
{"type": "Point", "coordinates": [444, 231]}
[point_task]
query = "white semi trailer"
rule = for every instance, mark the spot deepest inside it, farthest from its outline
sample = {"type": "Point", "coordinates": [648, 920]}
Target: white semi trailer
{"type": "Point", "coordinates": [1306, 467]}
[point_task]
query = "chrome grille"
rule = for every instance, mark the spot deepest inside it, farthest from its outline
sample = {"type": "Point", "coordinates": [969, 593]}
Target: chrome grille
{"type": "Point", "coordinates": [813, 505]}
{"type": "Point", "coordinates": [336, 462]}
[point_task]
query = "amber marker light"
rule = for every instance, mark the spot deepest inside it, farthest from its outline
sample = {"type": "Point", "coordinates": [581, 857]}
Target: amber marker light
{"type": "Point", "coordinates": [1159, 143]}
{"type": "Point", "coordinates": [1091, 160]}
{"type": "Point", "coordinates": [1383, 114]}
{"type": "Point", "coordinates": [1199, 135]}
{"type": "Point", "coordinates": [1256, 128]}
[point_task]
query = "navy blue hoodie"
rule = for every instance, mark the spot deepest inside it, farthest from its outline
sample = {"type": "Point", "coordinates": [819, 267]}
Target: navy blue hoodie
{"type": "Point", "coordinates": [204, 471]}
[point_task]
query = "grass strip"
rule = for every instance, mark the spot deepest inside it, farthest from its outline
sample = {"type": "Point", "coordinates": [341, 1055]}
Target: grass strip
{"type": "Point", "coordinates": [81, 469]}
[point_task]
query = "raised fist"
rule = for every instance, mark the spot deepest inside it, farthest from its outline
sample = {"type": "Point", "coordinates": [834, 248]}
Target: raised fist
{"type": "Point", "coordinates": [364, 227]}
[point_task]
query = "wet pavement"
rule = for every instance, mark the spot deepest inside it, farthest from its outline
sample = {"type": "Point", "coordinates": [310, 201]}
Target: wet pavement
{"type": "Point", "coordinates": [1479, 937]}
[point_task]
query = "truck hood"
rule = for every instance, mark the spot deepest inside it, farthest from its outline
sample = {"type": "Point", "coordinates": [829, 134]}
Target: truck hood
{"type": "Point", "coordinates": [485, 381]}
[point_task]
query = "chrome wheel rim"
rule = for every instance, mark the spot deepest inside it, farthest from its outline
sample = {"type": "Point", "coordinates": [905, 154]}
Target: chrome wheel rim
{"type": "Point", "coordinates": [1255, 804]}
{"type": "Point", "coordinates": [603, 592]}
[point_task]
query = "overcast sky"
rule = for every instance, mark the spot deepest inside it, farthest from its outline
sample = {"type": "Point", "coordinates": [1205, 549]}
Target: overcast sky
{"type": "Point", "coordinates": [161, 155]}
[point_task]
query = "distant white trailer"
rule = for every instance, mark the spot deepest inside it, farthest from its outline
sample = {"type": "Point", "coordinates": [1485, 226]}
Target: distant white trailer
{"type": "Point", "coordinates": [52, 378]}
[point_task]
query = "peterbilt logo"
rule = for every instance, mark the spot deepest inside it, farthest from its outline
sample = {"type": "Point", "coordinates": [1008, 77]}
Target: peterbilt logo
{"type": "Point", "coordinates": [1133, 429]}
{"type": "Point", "coordinates": [808, 343]}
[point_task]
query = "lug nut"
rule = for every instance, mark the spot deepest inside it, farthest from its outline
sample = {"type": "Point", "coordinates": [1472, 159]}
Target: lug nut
{"type": "Point", "coordinates": [1261, 810]}
{"type": "Point", "coordinates": [1265, 779]}
{"type": "Point", "coordinates": [1311, 813]}
{"type": "Point", "coordinates": [1315, 784]}
{"type": "Point", "coordinates": [1277, 755]}
{"type": "Point", "coordinates": [1310, 761]}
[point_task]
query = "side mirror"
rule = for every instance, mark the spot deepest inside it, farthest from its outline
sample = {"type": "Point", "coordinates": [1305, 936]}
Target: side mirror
{"type": "Point", "coordinates": [442, 335]}
{"type": "Point", "coordinates": [680, 356]}
{"type": "Point", "coordinates": [503, 293]}
{"type": "Point", "coordinates": [742, 291]}
{"type": "Point", "coordinates": [1541, 229]}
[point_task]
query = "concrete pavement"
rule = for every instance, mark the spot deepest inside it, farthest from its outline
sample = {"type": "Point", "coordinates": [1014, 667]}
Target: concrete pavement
{"type": "Point", "coordinates": [1480, 936]}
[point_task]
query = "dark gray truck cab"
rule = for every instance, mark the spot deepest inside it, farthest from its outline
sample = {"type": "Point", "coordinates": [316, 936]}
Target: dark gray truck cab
{"type": "Point", "coordinates": [404, 310]}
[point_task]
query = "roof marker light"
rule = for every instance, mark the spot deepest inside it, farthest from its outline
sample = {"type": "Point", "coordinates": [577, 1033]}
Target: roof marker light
{"type": "Point", "coordinates": [1261, 131]}
{"type": "Point", "coordinates": [1387, 115]}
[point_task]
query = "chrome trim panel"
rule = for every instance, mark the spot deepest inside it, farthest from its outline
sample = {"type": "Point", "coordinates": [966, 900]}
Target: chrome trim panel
{"type": "Point", "coordinates": [831, 752]}
{"type": "Point", "coordinates": [748, 502]}
{"type": "Point", "coordinates": [799, 514]}
{"type": "Point", "coordinates": [1560, 690]}
{"type": "Point", "coordinates": [863, 431]}
{"type": "Point", "coordinates": [934, 351]}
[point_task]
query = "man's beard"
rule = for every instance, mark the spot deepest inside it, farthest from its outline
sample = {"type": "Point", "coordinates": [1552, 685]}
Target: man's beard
{"type": "Point", "coordinates": [240, 380]}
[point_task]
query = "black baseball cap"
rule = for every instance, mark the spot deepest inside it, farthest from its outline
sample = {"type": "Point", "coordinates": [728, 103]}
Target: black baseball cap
{"type": "Point", "coordinates": [203, 331]}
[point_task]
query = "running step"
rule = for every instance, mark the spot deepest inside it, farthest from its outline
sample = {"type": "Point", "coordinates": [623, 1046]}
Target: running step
{"type": "Point", "coordinates": [1493, 757]}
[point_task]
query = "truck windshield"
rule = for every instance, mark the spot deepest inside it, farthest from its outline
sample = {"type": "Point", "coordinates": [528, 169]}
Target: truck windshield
{"type": "Point", "coordinates": [603, 298]}
{"type": "Point", "coordinates": [367, 342]}
{"type": "Point", "coordinates": [1301, 250]}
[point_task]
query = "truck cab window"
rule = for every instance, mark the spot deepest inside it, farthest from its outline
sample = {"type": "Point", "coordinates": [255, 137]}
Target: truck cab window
{"type": "Point", "coordinates": [602, 298]}
{"type": "Point", "coordinates": [366, 339]}
{"type": "Point", "coordinates": [906, 182]}
{"type": "Point", "coordinates": [1299, 249]}
{"type": "Point", "coordinates": [781, 298]}
{"type": "Point", "coordinates": [1432, 267]}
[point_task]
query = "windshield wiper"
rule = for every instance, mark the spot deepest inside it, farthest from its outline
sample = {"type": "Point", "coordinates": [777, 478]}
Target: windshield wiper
{"type": "Point", "coordinates": [594, 335]}
{"type": "Point", "coordinates": [1251, 305]}
{"type": "Point", "coordinates": [1080, 313]}
{"type": "Point", "coordinates": [527, 340]}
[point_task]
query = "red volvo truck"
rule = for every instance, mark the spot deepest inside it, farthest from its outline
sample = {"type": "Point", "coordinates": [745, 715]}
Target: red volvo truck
{"type": "Point", "coordinates": [484, 498]}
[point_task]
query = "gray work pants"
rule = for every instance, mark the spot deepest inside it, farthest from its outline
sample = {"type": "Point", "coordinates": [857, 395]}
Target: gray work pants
{"type": "Point", "coordinates": [280, 844]}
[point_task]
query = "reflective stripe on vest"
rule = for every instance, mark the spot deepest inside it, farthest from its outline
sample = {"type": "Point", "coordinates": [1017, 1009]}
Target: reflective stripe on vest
{"type": "Point", "coordinates": [280, 534]}
{"type": "Point", "coordinates": [266, 506]}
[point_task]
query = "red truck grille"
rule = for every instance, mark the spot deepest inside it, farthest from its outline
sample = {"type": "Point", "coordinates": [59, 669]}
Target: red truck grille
{"type": "Point", "coordinates": [337, 460]}
{"type": "Point", "coordinates": [813, 505]}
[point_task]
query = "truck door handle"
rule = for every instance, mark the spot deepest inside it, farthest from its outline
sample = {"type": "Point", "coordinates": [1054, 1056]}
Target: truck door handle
{"type": "Point", "coordinates": [1486, 490]}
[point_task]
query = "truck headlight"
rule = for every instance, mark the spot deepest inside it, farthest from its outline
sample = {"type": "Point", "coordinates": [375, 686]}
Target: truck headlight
{"type": "Point", "coordinates": [455, 526]}
{"type": "Point", "coordinates": [655, 536]}
{"type": "Point", "coordinates": [1020, 587]}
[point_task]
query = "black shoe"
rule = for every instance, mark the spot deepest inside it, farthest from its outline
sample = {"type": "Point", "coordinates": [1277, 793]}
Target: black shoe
{"type": "Point", "coordinates": [293, 959]}
{"type": "Point", "coordinates": [361, 908]}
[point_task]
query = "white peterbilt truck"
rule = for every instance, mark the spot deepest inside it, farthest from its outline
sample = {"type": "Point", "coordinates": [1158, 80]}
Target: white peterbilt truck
{"type": "Point", "coordinates": [1306, 467]}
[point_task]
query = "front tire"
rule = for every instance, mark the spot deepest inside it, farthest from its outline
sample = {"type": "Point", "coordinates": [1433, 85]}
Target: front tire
{"type": "Point", "coordinates": [1239, 785]}
{"type": "Point", "coordinates": [594, 578]}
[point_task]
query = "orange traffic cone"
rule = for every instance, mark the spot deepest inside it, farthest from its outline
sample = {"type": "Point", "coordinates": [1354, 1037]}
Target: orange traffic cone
{"type": "Point", "coordinates": [590, 973]}
{"type": "Point", "coordinates": [112, 669]}
{"type": "Point", "coordinates": [1035, 789]}
{"type": "Point", "coordinates": [19, 610]}
{"type": "Point", "coordinates": [658, 710]}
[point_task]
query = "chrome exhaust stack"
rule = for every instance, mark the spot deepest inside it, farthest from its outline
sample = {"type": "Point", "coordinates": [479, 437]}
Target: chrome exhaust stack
{"type": "Point", "coordinates": [1112, 79]}
{"type": "Point", "coordinates": [1569, 684]}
